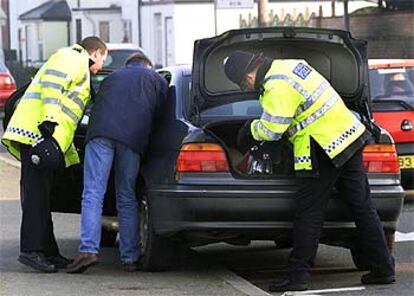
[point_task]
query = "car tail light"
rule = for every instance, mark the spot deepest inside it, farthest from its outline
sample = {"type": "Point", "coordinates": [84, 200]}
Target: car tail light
{"type": "Point", "coordinates": [381, 158]}
{"type": "Point", "coordinates": [202, 157]}
{"type": "Point", "coordinates": [7, 82]}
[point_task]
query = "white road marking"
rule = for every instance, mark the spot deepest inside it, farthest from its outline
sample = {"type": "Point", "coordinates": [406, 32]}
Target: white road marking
{"type": "Point", "coordinates": [317, 292]}
{"type": "Point", "coordinates": [404, 237]}
{"type": "Point", "coordinates": [239, 283]}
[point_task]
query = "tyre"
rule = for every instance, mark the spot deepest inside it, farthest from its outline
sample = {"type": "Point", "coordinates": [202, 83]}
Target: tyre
{"type": "Point", "coordinates": [157, 253]}
{"type": "Point", "coordinates": [283, 244]}
{"type": "Point", "coordinates": [108, 238]}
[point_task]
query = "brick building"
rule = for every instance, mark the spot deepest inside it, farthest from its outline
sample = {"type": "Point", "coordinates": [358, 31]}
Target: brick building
{"type": "Point", "coordinates": [390, 33]}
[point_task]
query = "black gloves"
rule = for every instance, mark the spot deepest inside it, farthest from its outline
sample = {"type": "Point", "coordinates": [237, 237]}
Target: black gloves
{"type": "Point", "coordinates": [46, 154]}
{"type": "Point", "coordinates": [47, 128]}
{"type": "Point", "coordinates": [244, 136]}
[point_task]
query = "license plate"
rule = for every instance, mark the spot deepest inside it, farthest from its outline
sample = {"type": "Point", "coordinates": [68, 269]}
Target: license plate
{"type": "Point", "coordinates": [406, 161]}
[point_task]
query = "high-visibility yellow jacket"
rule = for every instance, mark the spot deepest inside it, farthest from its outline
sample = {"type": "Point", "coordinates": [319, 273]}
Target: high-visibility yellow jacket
{"type": "Point", "coordinates": [59, 93]}
{"type": "Point", "coordinates": [301, 102]}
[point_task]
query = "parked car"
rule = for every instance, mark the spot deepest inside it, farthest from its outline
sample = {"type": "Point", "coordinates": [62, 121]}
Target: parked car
{"type": "Point", "coordinates": [193, 186]}
{"type": "Point", "coordinates": [118, 53]}
{"type": "Point", "coordinates": [7, 86]}
{"type": "Point", "coordinates": [392, 90]}
{"type": "Point", "coordinates": [117, 56]}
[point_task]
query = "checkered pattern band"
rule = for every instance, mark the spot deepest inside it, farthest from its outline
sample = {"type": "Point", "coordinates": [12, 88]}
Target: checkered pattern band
{"type": "Point", "coordinates": [23, 132]}
{"type": "Point", "coordinates": [302, 159]}
{"type": "Point", "coordinates": [342, 138]}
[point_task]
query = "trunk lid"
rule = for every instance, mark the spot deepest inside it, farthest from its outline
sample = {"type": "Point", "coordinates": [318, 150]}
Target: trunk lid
{"type": "Point", "coordinates": [334, 53]}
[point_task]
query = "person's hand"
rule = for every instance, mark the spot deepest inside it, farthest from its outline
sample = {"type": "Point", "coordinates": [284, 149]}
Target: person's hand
{"type": "Point", "coordinates": [47, 128]}
{"type": "Point", "coordinates": [46, 154]}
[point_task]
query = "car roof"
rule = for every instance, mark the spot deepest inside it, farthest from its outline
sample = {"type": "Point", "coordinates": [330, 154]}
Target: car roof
{"type": "Point", "coordinates": [390, 63]}
{"type": "Point", "coordinates": [114, 46]}
{"type": "Point", "coordinates": [185, 69]}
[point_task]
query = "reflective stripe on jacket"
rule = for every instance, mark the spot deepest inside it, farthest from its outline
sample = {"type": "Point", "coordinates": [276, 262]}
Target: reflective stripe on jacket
{"type": "Point", "coordinates": [301, 102]}
{"type": "Point", "coordinates": [59, 92]}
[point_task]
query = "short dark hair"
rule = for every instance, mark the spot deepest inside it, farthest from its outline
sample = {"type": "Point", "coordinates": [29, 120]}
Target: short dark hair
{"type": "Point", "coordinates": [93, 43]}
{"type": "Point", "coordinates": [139, 57]}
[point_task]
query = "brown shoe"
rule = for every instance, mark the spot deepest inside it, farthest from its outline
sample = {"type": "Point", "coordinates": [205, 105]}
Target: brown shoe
{"type": "Point", "coordinates": [130, 266]}
{"type": "Point", "coordinates": [82, 262]}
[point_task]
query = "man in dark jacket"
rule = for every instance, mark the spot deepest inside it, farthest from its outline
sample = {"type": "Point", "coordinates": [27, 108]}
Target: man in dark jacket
{"type": "Point", "coordinates": [120, 125]}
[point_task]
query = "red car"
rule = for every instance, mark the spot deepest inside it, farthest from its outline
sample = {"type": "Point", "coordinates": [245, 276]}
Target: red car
{"type": "Point", "coordinates": [392, 90]}
{"type": "Point", "coordinates": [7, 86]}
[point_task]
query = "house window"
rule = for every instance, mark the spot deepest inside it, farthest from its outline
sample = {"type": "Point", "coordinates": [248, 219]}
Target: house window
{"type": "Point", "coordinates": [40, 42]}
{"type": "Point", "coordinates": [127, 31]}
{"type": "Point", "coordinates": [104, 31]}
{"type": "Point", "coordinates": [40, 51]}
{"type": "Point", "coordinates": [78, 30]}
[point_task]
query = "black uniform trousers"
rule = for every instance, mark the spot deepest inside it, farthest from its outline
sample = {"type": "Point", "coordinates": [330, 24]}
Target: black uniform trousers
{"type": "Point", "coordinates": [311, 201]}
{"type": "Point", "coordinates": [36, 232]}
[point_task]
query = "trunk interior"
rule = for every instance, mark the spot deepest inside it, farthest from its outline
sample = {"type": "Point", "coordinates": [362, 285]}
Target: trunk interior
{"type": "Point", "coordinates": [255, 159]}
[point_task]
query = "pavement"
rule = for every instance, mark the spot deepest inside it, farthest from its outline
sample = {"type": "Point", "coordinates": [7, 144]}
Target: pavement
{"type": "Point", "coordinates": [9, 178]}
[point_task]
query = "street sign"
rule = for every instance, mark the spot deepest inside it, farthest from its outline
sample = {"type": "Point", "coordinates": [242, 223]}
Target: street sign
{"type": "Point", "coordinates": [222, 4]}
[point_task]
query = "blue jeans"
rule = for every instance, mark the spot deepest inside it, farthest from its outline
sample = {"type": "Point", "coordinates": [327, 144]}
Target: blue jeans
{"type": "Point", "coordinates": [100, 153]}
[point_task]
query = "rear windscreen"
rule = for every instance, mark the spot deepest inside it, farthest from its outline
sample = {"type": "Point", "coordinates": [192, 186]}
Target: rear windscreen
{"type": "Point", "coordinates": [392, 82]}
{"type": "Point", "coordinates": [116, 58]}
{"type": "Point", "coordinates": [250, 108]}
{"type": "Point", "coordinates": [381, 106]}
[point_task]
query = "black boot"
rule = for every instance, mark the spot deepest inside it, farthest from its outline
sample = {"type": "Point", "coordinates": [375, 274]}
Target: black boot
{"type": "Point", "coordinates": [59, 261]}
{"type": "Point", "coordinates": [287, 285]}
{"type": "Point", "coordinates": [36, 260]}
{"type": "Point", "coordinates": [373, 279]}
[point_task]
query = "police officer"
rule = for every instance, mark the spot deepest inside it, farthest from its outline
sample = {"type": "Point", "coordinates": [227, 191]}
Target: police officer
{"type": "Point", "coordinates": [327, 139]}
{"type": "Point", "coordinates": [40, 134]}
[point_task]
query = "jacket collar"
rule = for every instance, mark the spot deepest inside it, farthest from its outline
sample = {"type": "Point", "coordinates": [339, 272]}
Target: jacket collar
{"type": "Point", "coordinates": [261, 73]}
{"type": "Point", "coordinates": [136, 64]}
{"type": "Point", "coordinates": [78, 48]}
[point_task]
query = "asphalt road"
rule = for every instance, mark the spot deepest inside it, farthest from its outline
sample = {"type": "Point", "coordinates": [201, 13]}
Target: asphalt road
{"type": "Point", "coordinates": [198, 275]}
{"type": "Point", "coordinates": [261, 263]}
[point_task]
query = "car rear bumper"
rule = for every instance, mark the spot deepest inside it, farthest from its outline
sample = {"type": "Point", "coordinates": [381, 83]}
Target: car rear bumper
{"type": "Point", "coordinates": [192, 209]}
{"type": "Point", "coordinates": [407, 173]}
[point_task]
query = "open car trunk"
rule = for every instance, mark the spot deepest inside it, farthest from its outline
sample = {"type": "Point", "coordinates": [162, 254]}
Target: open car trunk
{"type": "Point", "coordinates": [257, 159]}
{"type": "Point", "coordinates": [341, 59]}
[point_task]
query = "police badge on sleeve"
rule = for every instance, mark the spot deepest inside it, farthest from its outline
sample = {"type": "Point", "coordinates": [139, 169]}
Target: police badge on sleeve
{"type": "Point", "coordinates": [302, 70]}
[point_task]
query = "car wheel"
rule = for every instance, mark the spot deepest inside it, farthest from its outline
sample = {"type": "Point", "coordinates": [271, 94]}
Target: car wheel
{"type": "Point", "coordinates": [108, 238]}
{"type": "Point", "coordinates": [283, 244]}
{"type": "Point", "coordinates": [157, 253]}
